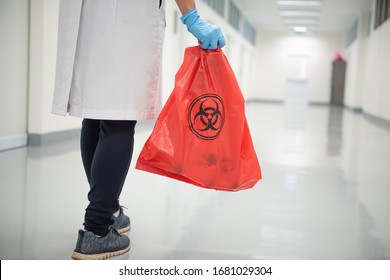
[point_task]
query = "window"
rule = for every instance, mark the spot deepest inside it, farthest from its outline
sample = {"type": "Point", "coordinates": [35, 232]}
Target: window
{"type": "Point", "coordinates": [249, 32]}
{"type": "Point", "coordinates": [217, 5]}
{"type": "Point", "coordinates": [382, 12]}
{"type": "Point", "coordinates": [234, 16]}
{"type": "Point", "coordinates": [388, 9]}
{"type": "Point", "coordinates": [369, 24]}
{"type": "Point", "coordinates": [352, 33]}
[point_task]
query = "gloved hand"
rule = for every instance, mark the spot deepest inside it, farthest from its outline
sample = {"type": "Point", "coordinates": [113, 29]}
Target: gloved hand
{"type": "Point", "coordinates": [210, 36]}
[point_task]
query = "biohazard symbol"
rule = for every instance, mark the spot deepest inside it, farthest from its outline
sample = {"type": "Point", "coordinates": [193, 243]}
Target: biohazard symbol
{"type": "Point", "coordinates": [206, 116]}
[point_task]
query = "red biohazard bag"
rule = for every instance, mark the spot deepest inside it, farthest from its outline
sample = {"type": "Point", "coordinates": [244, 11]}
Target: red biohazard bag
{"type": "Point", "coordinates": [201, 136]}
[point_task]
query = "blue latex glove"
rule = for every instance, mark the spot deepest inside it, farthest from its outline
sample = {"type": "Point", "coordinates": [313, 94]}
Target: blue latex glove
{"type": "Point", "coordinates": [210, 36]}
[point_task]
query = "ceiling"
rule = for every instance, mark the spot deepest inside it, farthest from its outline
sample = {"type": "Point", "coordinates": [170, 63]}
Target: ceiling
{"type": "Point", "coordinates": [333, 15]}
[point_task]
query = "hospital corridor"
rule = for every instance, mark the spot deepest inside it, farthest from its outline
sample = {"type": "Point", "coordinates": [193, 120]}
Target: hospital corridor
{"type": "Point", "coordinates": [315, 78]}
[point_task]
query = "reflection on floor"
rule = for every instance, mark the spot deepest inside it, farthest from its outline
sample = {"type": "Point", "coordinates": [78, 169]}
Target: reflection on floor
{"type": "Point", "coordinates": [324, 195]}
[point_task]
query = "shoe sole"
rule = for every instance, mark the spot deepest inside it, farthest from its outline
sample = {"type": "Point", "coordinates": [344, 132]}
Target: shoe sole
{"type": "Point", "coordinates": [125, 229]}
{"type": "Point", "coordinates": [102, 256]}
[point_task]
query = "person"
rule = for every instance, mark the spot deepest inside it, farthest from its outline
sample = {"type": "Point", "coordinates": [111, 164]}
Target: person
{"type": "Point", "coordinates": [109, 74]}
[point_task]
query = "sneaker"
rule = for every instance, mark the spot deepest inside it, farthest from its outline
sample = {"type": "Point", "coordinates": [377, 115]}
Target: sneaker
{"type": "Point", "coordinates": [122, 222]}
{"type": "Point", "coordinates": [92, 247]}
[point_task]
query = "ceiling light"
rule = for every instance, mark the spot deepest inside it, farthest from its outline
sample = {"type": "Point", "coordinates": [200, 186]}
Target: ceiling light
{"type": "Point", "coordinates": [300, 29]}
{"type": "Point", "coordinates": [300, 21]}
{"type": "Point", "coordinates": [298, 3]}
{"type": "Point", "coordinates": [309, 27]}
{"type": "Point", "coordinates": [299, 13]}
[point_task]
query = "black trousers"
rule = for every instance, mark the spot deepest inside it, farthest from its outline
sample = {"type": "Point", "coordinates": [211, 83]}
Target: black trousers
{"type": "Point", "coordinates": [106, 151]}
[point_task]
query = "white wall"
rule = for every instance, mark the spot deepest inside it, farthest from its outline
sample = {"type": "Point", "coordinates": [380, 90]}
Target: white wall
{"type": "Point", "coordinates": [272, 62]}
{"type": "Point", "coordinates": [355, 57]}
{"type": "Point", "coordinates": [13, 72]}
{"type": "Point", "coordinates": [376, 88]}
{"type": "Point", "coordinates": [368, 68]}
{"type": "Point", "coordinates": [352, 91]}
{"type": "Point", "coordinates": [43, 49]}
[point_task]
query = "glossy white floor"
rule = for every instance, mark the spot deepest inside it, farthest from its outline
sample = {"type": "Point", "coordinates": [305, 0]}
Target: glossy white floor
{"type": "Point", "coordinates": [325, 195]}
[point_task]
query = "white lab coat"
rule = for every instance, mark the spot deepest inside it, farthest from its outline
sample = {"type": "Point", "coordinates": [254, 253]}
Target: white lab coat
{"type": "Point", "coordinates": [109, 59]}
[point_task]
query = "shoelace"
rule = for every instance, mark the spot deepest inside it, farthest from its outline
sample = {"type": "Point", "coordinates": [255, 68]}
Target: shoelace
{"type": "Point", "coordinates": [115, 232]}
{"type": "Point", "coordinates": [109, 229]}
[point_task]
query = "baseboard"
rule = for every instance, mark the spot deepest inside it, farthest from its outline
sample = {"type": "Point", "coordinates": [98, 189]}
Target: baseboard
{"type": "Point", "coordinates": [259, 100]}
{"type": "Point", "coordinates": [382, 123]}
{"type": "Point", "coordinates": [13, 142]}
{"type": "Point", "coordinates": [318, 103]}
{"type": "Point", "coordinates": [53, 137]}
{"type": "Point", "coordinates": [275, 101]}
{"type": "Point", "coordinates": [353, 109]}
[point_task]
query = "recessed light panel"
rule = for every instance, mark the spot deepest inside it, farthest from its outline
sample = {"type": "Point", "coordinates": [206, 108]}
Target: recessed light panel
{"type": "Point", "coordinates": [300, 29]}
{"type": "Point", "coordinates": [298, 3]}
{"type": "Point", "coordinates": [299, 13]}
{"type": "Point", "coordinates": [300, 21]}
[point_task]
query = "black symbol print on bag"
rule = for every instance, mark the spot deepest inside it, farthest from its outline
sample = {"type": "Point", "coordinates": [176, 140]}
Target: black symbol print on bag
{"type": "Point", "coordinates": [206, 116]}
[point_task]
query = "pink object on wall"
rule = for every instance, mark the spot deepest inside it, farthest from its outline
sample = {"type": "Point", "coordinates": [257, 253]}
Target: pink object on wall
{"type": "Point", "coordinates": [337, 56]}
